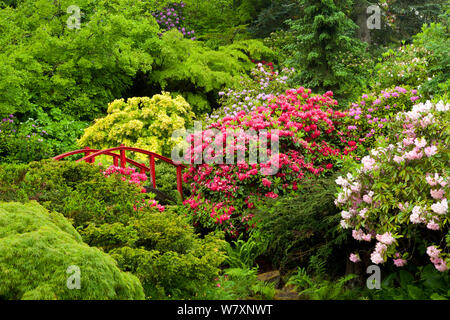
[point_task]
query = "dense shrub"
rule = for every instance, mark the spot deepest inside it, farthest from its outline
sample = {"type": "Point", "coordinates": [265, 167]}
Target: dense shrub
{"type": "Point", "coordinates": [38, 247]}
{"type": "Point", "coordinates": [398, 194]}
{"type": "Point", "coordinates": [369, 116]}
{"type": "Point", "coordinates": [325, 52]}
{"type": "Point", "coordinates": [309, 144]}
{"type": "Point", "coordinates": [151, 241]}
{"type": "Point", "coordinates": [251, 93]}
{"type": "Point", "coordinates": [161, 249]}
{"type": "Point", "coordinates": [424, 64]}
{"type": "Point", "coordinates": [79, 191]}
{"type": "Point", "coordinates": [301, 229]}
{"type": "Point", "coordinates": [145, 123]}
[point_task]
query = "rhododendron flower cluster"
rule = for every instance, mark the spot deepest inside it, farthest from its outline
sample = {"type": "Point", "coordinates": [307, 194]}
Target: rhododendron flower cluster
{"type": "Point", "coordinates": [170, 17]}
{"type": "Point", "coordinates": [308, 145]}
{"type": "Point", "coordinates": [397, 195]}
{"type": "Point", "coordinates": [264, 84]}
{"type": "Point", "coordinates": [148, 203]}
{"type": "Point", "coordinates": [127, 174]}
{"type": "Point", "coordinates": [368, 117]}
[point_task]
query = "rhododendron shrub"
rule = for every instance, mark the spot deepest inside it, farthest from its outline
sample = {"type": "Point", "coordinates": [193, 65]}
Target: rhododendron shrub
{"type": "Point", "coordinates": [396, 197]}
{"type": "Point", "coordinates": [265, 83]}
{"type": "Point", "coordinates": [303, 126]}
{"type": "Point", "coordinates": [369, 116]}
{"type": "Point", "coordinates": [127, 174]}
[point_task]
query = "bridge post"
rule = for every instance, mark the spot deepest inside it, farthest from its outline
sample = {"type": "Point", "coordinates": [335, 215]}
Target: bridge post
{"type": "Point", "coordinates": [152, 171]}
{"type": "Point", "coordinates": [123, 160]}
{"type": "Point", "coordinates": [179, 182]}
{"type": "Point", "coordinates": [86, 154]}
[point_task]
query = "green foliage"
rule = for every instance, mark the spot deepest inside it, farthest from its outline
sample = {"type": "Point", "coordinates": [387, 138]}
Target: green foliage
{"type": "Point", "coordinates": [321, 289]}
{"type": "Point", "coordinates": [424, 64]}
{"type": "Point", "coordinates": [272, 18]}
{"type": "Point", "coordinates": [300, 229]}
{"type": "Point", "coordinates": [145, 123]}
{"type": "Point", "coordinates": [36, 249]}
{"type": "Point", "coordinates": [242, 283]}
{"type": "Point", "coordinates": [77, 190]}
{"type": "Point", "coordinates": [426, 283]}
{"type": "Point", "coordinates": [325, 52]}
{"type": "Point", "coordinates": [47, 64]}
{"type": "Point", "coordinates": [242, 254]}
{"type": "Point", "coordinates": [198, 72]}
{"type": "Point", "coordinates": [399, 191]}
{"type": "Point", "coordinates": [278, 41]}
{"type": "Point", "coordinates": [161, 249]}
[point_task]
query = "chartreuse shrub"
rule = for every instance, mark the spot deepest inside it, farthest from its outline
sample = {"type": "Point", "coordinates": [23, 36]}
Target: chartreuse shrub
{"type": "Point", "coordinates": [397, 195]}
{"type": "Point", "coordinates": [79, 191]}
{"type": "Point", "coordinates": [146, 123]}
{"type": "Point", "coordinates": [38, 247]}
{"type": "Point", "coordinates": [161, 249]}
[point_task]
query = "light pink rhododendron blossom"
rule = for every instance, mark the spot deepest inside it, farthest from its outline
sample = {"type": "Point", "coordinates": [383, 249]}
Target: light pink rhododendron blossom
{"type": "Point", "coordinates": [402, 185]}
{"type": "Point", "coordinates": [354, 258]}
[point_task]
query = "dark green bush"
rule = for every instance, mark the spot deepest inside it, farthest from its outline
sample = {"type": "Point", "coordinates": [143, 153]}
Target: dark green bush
{"type": "Point", "coordinates": [161, 249]}
{"type": "Point", "coordinates": [302, 229]}
{"type": "Point", "coordinates": [36, 249]}
{"type": "Point", "coordinates": [418, 283]}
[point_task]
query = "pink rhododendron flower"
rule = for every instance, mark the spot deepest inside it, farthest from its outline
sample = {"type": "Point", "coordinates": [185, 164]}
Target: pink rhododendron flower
{"type": "Point", "coordinates": [433, 252]}
{"type": "Point", "coordinates": [398, 159]}
{"type": "Point", "coordinates": [399, 262]}
{"type": "Point", "coordinates": [430, 151]}
{"type": "Point", "coordinates": [376, 257]}
{"type": "Point", "coordinates": [346, 215]}
{"type": "Point", "coordinates": [367, 198]}
{"type": "Point", "coordinates": [437, 194]}
{"type": "Point", "coordinates": [432, 225]}
{"type": "Point", "coordinates": [266, 182]}
{"type": "Point", "coordinates": [368, 163]}
{"type": "Point", "coordinates": [354, 258]}
{"type": "Point", "coordinates": [440, 207]}
{"type": "Point", "coordinates": [385, 238]}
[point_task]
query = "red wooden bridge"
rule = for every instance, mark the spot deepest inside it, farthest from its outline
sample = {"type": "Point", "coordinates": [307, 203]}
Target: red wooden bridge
{"type": "Point", "coordinates": [120, 158]}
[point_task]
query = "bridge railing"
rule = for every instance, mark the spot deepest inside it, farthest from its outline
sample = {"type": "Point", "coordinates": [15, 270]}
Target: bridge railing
{"type": "Point", "coordinates": [121, 159]}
